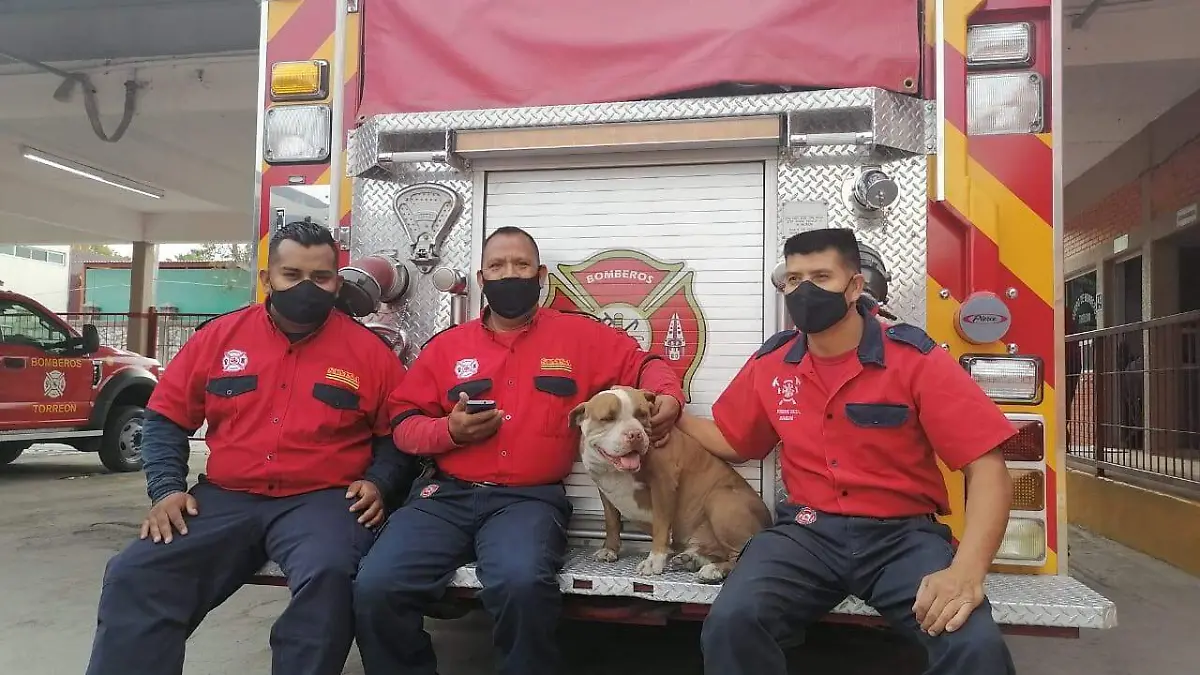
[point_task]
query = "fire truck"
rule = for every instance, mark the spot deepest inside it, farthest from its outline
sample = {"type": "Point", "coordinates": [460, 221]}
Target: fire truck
{"type": "Point", "coordinates": [60, 385]}
{"type": "Point", "coordinates": [660, 154]}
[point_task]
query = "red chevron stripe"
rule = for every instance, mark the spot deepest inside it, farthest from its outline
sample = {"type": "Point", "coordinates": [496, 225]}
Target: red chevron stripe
{"type": "Point", "coordinates": [956, 87]}
{"type": "Point", "coordinates": [299, 39]}
{"type": "Point", "coordinates": [955, 252]}
{"type": "Point", "coordinates": [1024, 164]}
{"type": "Point", "coordinates": [1020, 161]}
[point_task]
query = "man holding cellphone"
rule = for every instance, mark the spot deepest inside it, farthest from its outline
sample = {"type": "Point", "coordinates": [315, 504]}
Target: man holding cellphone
{"type": "Point", "coordinates": [488, 401]}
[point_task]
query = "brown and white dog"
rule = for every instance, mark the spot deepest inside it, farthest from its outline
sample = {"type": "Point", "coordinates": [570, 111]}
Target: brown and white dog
{"type": "Point", "coordinates": [692, 503]}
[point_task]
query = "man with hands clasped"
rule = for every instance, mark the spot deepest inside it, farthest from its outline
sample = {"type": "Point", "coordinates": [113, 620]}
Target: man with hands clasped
{"type": "Point", "coordinates": [497, 495]}
{"type": "Point", "coordinates": [863, 411]}
{"type": "Point", "coordinates": [301, 465]}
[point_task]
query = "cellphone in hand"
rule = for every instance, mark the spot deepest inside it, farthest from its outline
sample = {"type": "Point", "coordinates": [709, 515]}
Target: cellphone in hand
{"type": "Point", "coordinates": [478, 406]}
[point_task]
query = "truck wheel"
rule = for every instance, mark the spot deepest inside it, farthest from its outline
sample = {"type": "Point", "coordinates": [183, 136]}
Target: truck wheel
{"type": "Point", "coordinates": [11, 451]}
{"type": "Point", "coordinates": [121, 446]}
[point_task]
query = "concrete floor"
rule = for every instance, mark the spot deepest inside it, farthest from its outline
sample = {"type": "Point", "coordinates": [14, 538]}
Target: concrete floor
{"type": "Point", "coordinates": [63, 516]}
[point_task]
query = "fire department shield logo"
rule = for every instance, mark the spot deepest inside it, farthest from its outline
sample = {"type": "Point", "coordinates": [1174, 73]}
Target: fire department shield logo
{"type": "Point", "coordinates": [465, 368]}
{"type": "Point", "coordinates": [234, 361]}
{"type": "Point", "coordinates": [650, 299]}
{"type": "Point", "coordinates": [55, 384]}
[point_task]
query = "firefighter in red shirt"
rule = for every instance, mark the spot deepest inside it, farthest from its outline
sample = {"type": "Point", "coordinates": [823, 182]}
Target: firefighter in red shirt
{"type": "Point", "coordinates": [497, 496]}
{"type": "Point", "coordinates": [300, 466]}
{"type": "Point", "coordinates": [863, 410]}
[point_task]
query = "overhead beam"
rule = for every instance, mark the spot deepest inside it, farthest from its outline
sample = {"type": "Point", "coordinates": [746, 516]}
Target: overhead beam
{"type": "Point", "coordinates": [145, 155]}
{"type": "Point", "coordinates": [1134, 33]}
{"type": "Point", "coordinates": [18, 230]}
{"type": "Point", "coordinates": [188, 227]}
{"type": "Point", "coordinates": [62, 30]}
{"type": "Point", "coordinates": [89, 220]}
{"type": "Point", "coordinates": [168, 86]}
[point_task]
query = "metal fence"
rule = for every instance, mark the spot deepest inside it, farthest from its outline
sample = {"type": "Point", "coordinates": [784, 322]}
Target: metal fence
{"type": "Point", "coordinates": [168, 331]}
{"type": "Point", "coordinates": [1133, 399]}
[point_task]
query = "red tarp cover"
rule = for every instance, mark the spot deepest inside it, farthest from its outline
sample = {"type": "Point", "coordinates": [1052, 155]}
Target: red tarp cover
{"type": "Point", "coordinates": [429, 55]}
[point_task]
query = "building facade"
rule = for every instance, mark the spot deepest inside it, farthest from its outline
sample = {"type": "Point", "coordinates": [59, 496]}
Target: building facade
{"type": "Point", "coordinates": [40, 272]}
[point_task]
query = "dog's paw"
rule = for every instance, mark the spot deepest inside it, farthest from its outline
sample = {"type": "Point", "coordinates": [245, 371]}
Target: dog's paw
{"type": "Point", "coordinates": [685, 561]}
{"type": "Point", "coordinates": [653, 564]}
{"type": "Point", "coordinates": [606, 555]}
{"type": "Point", "coordinates": [710, 574]}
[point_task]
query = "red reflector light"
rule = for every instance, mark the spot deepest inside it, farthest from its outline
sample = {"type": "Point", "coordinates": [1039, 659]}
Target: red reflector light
{"type": "Point", "coordinates": [1029, 445]}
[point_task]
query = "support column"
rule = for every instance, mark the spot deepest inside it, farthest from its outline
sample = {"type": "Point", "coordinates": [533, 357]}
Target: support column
{"type": "Point", "coordinates": [143, 277]}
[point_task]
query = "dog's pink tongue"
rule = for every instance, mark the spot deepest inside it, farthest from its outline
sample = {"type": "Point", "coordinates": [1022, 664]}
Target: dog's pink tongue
{"type": "Point", "coordinates": [630, 462]}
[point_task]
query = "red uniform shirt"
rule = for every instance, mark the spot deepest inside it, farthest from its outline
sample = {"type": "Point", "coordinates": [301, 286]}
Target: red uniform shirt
{"type": "Point", "coordinates": [536, 376]}
{"type": "Point", "coordinates": [283, 418]}
{"type": "Point", "coordinates": [861, 433]}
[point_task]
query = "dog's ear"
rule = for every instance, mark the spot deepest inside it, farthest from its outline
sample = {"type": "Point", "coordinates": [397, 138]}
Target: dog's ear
{"type": "Point", "coordinates": [575, 417]}
{"type": "Point", "coordinates": [650, 396]}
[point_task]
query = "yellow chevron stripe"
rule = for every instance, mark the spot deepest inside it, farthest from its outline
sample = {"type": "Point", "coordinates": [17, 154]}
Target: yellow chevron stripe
{"type": "Point", "coordinates": [279, 13]}
{"type": "Point", "coordinates": [957, 13]}
{"type": "Point", "coordinates": [325, 51]}
{"type": "Point", "coordinates": [994, 209]}
{"type": "Point", "coordinates": [259, 293]}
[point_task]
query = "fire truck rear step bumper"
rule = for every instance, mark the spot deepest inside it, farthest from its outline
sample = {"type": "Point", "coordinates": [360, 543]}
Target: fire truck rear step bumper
{"type": "Point", "coordinates": [1017, 600]}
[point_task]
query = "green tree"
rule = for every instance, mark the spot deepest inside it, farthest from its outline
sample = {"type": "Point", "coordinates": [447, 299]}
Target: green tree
{"type": "Point", "coordinates": [96, 250]}
{"type": "Point", "coordinates": [239, 254]}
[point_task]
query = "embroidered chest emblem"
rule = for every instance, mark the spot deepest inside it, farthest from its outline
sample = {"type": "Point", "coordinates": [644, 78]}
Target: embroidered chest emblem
{"type": "Point", "coordinates": [234, 361]}
{"type": "Point", "coordinates": [343, 377]}
{"type": "Point", "coordinates": [562, 365]}
{"type": "Point", "coordinates": [466, 368]}
{"type": "Point", "coordinates": [787, 391]}
{"type": "Point", "coordinates": [429, 490]}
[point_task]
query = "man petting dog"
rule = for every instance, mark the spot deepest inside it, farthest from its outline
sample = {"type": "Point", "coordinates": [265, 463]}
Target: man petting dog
{"type": "Point", "coordinates": [863, 410]}
{"type": "Point", "coordinates": [497, 496]}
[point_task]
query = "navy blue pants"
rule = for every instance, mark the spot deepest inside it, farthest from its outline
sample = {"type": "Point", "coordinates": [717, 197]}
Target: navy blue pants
{"type": "Point", "coordinates": [791, 575]}
{"type": "Point", "coordinates": [517, 536]}
{"type": "Point", "coordinates": [155, 595]}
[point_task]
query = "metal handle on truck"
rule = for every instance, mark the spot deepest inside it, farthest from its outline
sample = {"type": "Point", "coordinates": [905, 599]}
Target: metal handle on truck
{"type": "Point", "coordinates": [835, 138]}
{"type": "Point", "coordinates": [412, 157]}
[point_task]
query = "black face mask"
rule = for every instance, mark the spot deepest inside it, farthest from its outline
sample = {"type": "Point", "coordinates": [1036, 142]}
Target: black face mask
{"type": "Point", "coordinates": [512, 297]}
{"type": "Point", "coordinates": [814, 309]}
{"type": "Point", "coordinates": [305, 303]}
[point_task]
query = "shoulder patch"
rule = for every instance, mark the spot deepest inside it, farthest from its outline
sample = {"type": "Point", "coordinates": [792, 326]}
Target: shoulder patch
{"type": "Point", "coordinates": [775, 342]}
{"type": "Point", "coordinates": [910, 335]}
{"type": "Point", "coordinates": [578, 313]}
{"type": "Point", "coordinates": [209, 320]}
{"type": "Point", "coordinates": [435, 335]}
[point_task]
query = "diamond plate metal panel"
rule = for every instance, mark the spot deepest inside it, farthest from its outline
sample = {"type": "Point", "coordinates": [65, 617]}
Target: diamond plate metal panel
{"type": "Point", "coordinates": [362, 147]}
{"type": "Point", "coordinates": [423, 311]}
{"type": "Point", "coordinates": [899, 121]}
{"type": "Point", "coordinates": [1016, 599]}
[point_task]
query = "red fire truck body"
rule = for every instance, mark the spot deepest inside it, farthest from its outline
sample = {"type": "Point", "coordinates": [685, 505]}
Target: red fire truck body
{"type": "Point", "coordinates": [661, 153]}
